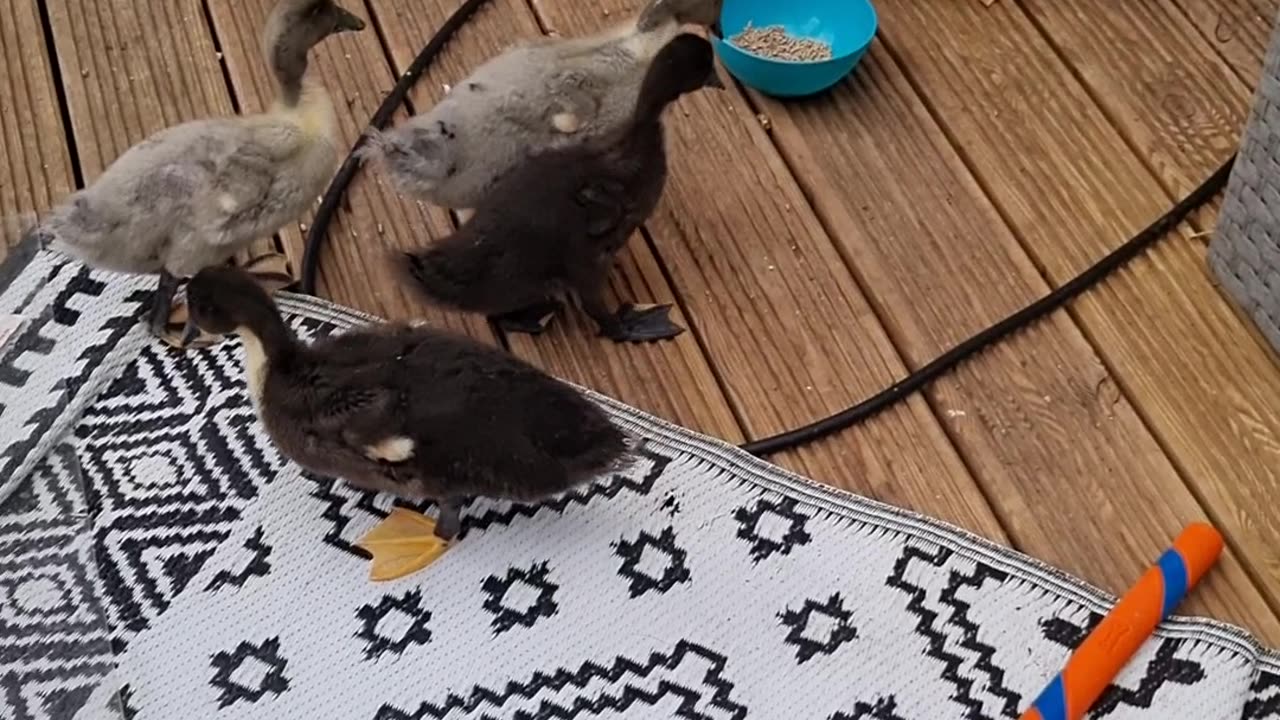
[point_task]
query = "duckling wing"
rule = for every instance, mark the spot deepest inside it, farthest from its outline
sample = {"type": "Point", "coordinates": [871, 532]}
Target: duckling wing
{"type": "Point", "coordinates": [605, 205]}
{"type": "Point", "coordinates": [145, 197]}
{"type": "Point", "coordinates": [194, 181]}
{"type": "Point", "coordinates": [257, 182]}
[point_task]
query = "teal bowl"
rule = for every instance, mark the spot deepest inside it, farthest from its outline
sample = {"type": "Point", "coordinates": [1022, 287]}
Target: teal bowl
{"type": "Point", "coordinates": [848, 26]}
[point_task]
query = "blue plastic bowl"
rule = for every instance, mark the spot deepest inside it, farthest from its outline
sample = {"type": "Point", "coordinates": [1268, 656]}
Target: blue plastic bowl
{"type": "Point", "coordinates": [847, 25]}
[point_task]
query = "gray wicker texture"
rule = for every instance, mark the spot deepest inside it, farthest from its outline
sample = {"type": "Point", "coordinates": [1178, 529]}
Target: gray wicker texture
{"type": "Point", "coordinates": [1244, 254]}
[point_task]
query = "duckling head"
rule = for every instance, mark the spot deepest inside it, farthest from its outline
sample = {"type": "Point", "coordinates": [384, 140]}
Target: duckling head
{"type": "Point", "coordinates": [226, 300]}
{"type": "Point", "coordinates": [684, 65]}
{"type": "Point", "coordinates": [704, 13]}
{"type": "Point", "coordinates": [296, 26]}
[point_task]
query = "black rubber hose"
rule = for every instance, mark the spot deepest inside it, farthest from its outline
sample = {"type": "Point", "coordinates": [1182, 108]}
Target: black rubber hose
{"type": "Point", "coordinates": [392, 102]}
{"type": "Point", "coordinates": [845, 418]}
{"type": "Point", "coordinates": [1020, 319]}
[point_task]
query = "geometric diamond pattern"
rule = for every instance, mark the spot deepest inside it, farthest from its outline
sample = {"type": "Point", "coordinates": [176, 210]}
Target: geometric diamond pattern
{"type": "Point", "coordinates": [55, 644]}
{"type": "Point", "coordinates": [772, 527]}
{"type": "Point", "coordinates": [652, 563]}
{"type": "Point", "coordinates": [520, 598]}
{"type": "Point", "coordinates": [170, 452]}
{"type": "Point", "coordinates": [249, 672]}
{"type": "Point", "coordinates": [818, 627]}
{"type": "Point", "coordinates": [394, 624]}
{"type": "Point", "coordinates": [257, 565]}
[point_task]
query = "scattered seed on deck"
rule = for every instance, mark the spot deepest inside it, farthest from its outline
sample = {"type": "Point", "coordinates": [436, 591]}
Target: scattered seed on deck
{"type": "Point", "coordinates": [774, 42]}
{"type": "Point", "coordinates": [764, 121]}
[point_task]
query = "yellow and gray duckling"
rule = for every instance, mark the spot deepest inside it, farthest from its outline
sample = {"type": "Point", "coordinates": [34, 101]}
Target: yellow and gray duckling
{"type": "Point", "coordinates": [537, 95]}
{"type": "Point", "coordinates": [193, 195]}
{"type": "Point", "coordinates": [412, 411]}
{"type": "Point", "coordinates": [556, 222]}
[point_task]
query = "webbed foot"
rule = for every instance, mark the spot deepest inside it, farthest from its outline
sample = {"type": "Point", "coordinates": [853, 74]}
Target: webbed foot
{"type": "Point", "coordinates": [402, 544]}
{"type": "Point", "coordinates": [642, 323]}
{"type": "Point", "coordinates": [531, 320]}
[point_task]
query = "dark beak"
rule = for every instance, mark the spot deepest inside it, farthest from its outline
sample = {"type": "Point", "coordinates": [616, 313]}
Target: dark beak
{"type": "Point", "coordinates": [190, 331]}
{"type": "Point", "coordinates": [714, 81]}
{"type": "Point", "coordinates": [347, 21]}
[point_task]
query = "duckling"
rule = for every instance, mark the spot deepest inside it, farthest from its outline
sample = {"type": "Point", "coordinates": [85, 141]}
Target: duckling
{"type": "Point", "coordinates": [537, 95]}
{"type": "Point", "coordinates": [192, 195]}
{"type": "Point", "coordinates": [405, 409]}
{"type": "Point", "coordinates": [556, 222]}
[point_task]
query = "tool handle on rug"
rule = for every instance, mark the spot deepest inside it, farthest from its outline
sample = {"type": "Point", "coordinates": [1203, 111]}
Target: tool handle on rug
{"type": "Point", "coordinates": [1122, 631]}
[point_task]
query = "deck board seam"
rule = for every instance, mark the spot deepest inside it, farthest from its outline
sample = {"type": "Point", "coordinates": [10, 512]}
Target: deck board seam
{"type": "Point", "coordinates": [891, 329]}
{"type": "Point", "coordinates": [1125, 136]}
{"type": "Point", "coordinates": [1126, 390]}
{"type": "Point", "coordinates": [1217, 46]}
{"type": "Point", "coordinates": [1272, 604]}
{"type": "Point", "coordinates": [56, 73]}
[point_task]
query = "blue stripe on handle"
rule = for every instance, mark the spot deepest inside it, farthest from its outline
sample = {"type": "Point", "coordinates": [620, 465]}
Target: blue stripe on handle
{"type": "Point", "coordinates": [1175, 573]}
{"type": "Point", "coordinates": [1052, 702]}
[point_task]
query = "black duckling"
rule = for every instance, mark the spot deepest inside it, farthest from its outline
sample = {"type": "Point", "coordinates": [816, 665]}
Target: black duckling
{"type": "Point", "coordinates": [557, 221]}
{"type": "Point", "coordinates": [534, 96]}
{"type": "Point", "coordinates": [193, 195]}
{"type": "Point", "coordinates": [408, 410]}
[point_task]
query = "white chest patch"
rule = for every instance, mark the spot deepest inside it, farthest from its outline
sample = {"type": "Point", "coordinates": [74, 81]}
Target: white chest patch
{"type": "Point", "coordinates": [255, 366]}
{"type": "Point", "coordinates": [393, 449]}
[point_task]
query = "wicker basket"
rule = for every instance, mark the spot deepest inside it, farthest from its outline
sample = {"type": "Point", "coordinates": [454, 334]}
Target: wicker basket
{"type": "Point", "coordinates": [1244, 254]}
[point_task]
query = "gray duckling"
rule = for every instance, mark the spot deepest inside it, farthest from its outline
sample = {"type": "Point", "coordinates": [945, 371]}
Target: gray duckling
{"type": "Point", "coordinates": [538, 95]}
{"type": "Point", "coordinates": [193, 195]}
{"type": "Point", "coordinates": [409, 410]}
{"type": "Point", "coordinates": [556, 222]}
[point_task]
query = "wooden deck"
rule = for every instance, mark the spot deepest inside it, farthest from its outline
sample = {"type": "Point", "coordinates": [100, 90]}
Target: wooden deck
{"type": "Point", "coordinates": [978, 157]}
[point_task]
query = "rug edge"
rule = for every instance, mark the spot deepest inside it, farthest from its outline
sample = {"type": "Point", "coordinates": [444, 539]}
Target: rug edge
{"type": "Point", "coordinates": [859, 508]}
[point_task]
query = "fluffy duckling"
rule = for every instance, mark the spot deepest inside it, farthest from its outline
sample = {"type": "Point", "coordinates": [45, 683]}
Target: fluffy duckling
{"type": "Point", "coordinates": [192, 195]}
{"type": "Point", "coordinates": [556, 222]}
{"type": "Point", "coordinates": [408, 410]}
{"type": "Point", "coordinates": [541, 94]}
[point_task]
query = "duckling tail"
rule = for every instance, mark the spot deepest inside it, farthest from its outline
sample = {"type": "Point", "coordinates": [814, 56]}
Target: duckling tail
{"type": "Point", "coordinates": [594, 446]}
{"type": "Point", "coordinates": [416, 160]}
{"type": "Point", "coordinates": [452, 275]}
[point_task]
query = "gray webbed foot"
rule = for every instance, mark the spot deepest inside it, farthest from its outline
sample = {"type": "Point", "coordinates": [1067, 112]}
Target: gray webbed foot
{"type": "Point", "coordinates": [633, 323]}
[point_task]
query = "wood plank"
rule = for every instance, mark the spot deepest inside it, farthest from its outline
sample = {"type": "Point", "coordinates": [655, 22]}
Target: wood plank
{"type": "Point", "coordinates": [1183, 107]}
{"type": "Point", "coordinates": [33, 148]}
{"type": "Point", "coordinates": [784, 323]}
{"type": "Point", "coordinates": [1039, 418]}
{"type": "Point", "coordinates": [1072, 190]}
{"type": "Point", "coordinates": [689, 394]}
{"type": "Point", "coordinates": [354, 269]}
{"type": "Point", "coordinates": [1178, 102]}
{"type": "Point", "coordinates": [128, 73]}
{"type": "Point", "coordinates": [1239, 30]}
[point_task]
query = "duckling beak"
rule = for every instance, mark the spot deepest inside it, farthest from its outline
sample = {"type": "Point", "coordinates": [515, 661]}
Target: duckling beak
{"type": "Point", "coordinates": [347, 21]}
{"type": "Point", "coordinates": [714, 81]}
{"type": "Point", "coordinates": [190, 331]}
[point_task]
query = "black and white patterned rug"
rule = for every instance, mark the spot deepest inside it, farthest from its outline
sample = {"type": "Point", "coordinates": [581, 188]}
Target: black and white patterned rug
{"type": "Point", "coordinates": [159, 559]}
